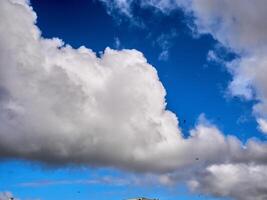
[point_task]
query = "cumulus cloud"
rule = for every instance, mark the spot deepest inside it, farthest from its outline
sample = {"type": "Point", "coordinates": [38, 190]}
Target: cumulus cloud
{"type": "Point", "coordinates": [60, 105]}
{"type": "Point", "coordinates": [242, 182]}
{"type": "Point", "coordinates": [64, 105]}
{"type": "Point", "coordinates": [241, 27]}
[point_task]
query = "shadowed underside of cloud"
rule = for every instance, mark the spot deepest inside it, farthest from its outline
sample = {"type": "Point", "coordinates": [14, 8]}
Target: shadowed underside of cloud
{"type": "Point", "coordinates": [60, 105]}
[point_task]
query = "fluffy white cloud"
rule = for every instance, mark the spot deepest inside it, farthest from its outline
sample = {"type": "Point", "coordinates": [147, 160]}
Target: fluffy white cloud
{"type": "Point", "coordinates": [262, 125]}
{"type": "Point", "coordinates": [65, 105]}
{"type": "Point", "coordinates": [60, 105]}
{"type": "Point", "coordinates": [240, 26]}
{"type": "Point", "coordinates": [242, 182]}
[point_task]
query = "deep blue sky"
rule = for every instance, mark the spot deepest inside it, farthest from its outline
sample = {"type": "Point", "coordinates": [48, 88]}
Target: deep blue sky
{"type": "Point", "coordinates": [193, 86]}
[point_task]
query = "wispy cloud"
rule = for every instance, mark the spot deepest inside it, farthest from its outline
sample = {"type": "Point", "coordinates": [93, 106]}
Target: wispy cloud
{"type": "Point", "coordinates": [165, 42]}
{"type": "Point", "coordinates": [107, 180]}
{"type": "Point", "coordinates": [117, 43]}
{"type": "Point", "coordinates": [6, 195]}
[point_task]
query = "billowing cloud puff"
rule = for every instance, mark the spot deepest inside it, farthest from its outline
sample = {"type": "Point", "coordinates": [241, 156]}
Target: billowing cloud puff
{"type": "Point", "coordinates": [64, 105]}
{"type": "Point", "coordinates": [242, 182]}
{"type": "Point", "coordinates": [60, 105]}
{"type": "Point", "coordinates": [241, 27]}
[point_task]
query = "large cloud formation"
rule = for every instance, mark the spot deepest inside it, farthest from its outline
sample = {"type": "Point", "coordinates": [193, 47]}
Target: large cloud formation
{"type": "Point", "coordinates": [63, 105]}
{"type": "Point", "coordinates": [239, 181]}
{"type": "Point", "coordinates": [60, 105]}
{"type": "Point", "coordinates": [241, 27]}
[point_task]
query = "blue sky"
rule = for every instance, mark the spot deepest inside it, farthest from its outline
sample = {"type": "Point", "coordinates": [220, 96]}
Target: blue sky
{"type": "Point", "coordinates": [195, 86]}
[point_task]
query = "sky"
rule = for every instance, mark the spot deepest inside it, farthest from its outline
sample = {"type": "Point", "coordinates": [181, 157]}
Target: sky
{"type": "Point", "coordinates": [117, 99]}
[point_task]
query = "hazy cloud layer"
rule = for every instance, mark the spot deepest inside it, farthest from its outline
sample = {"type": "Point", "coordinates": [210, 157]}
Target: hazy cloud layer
{"type": "Point", "coordinates": [60, 105]}
{"type": "Point", "coordinates": [106, 180]}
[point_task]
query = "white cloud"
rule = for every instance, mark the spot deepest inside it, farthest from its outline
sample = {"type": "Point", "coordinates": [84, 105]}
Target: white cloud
{"type": "Point", "coordinates": [240, 181]}
{"type": "Point", "coordinates": [164, 42]}
{"type": "Point", "coordinates": [61, 105]}
{"type": "Point", "coordinates": [123, 6]}
{"type": "Point", "coordinates": [105, 180]}
{"type": "Point", "coordinates": [262, 125]}
{"type": "Point", "coordinates": [65, 105]}
{"type": "Point", "coordinates": [240, 26]}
